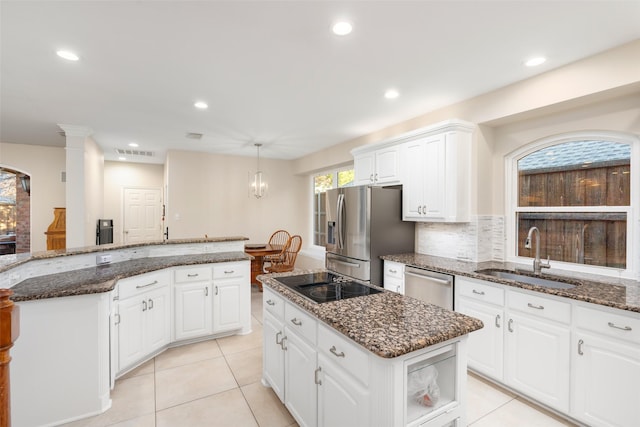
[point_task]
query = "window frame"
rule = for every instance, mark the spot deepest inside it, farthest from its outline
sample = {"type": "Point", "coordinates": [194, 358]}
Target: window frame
{"type": "Point", "coordinates": [633, 227]}
{"type": "Point", "coordinates": [334, 172]}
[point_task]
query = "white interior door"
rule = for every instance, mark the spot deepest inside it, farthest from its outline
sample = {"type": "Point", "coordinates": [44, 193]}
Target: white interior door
{"type": "Point", "coordinates": [142, 217]}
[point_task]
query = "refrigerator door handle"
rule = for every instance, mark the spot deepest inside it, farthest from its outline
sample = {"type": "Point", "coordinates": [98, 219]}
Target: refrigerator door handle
{"type": "Point", "coordinates": [340, 218]}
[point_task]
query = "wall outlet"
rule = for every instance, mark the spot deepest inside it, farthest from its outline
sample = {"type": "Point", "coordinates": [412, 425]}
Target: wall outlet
{"type": "Point", "coordinates": [103, 259]}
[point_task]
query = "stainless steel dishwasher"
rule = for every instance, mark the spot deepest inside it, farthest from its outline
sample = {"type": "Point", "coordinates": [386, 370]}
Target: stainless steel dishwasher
{"type": "Point", "coordinates": [429, 286]}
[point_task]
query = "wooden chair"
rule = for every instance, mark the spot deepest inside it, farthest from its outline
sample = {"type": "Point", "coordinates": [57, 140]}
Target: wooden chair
{"type": "Point", "coordinates": [278, 238]}
{"type": "Point", "coordinates": [289, 261]}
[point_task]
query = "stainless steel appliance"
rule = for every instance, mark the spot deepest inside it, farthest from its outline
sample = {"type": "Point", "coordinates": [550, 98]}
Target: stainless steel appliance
{"type": "Point", "coordinates": [104, 231]}
{"type": "Point", "coordinates": [365, 223]}
{"type": "Point", "coordinates": [326, 287]}
{"type": "Point", "coordinates": [429, 286]}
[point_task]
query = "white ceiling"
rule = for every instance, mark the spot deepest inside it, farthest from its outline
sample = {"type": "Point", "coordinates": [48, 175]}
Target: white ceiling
{"type": "Point", "coordinates": [272, 72]}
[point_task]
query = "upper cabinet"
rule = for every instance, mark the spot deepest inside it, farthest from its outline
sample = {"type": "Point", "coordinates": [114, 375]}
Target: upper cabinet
{"type": "Point", "coordinates": [377, 167]}
{"type": "Point", "coordinates": [433, 165]}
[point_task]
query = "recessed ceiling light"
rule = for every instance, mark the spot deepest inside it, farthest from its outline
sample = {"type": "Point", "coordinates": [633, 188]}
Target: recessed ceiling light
{"type": "Point", "coordinates": [133, 144]}
{"type": "Point", "coordinates": [122, 158]}
{"type": "Point", "coordinates": [67, 55]}
{"type": "Point", "coordinates": [201, 105]}
{"type": "Point", "coordinates": [391, 94]}
{"type": "Point", "coordinates": [535, 61]}
{"type": "Point", "coordinates": [342, 28]}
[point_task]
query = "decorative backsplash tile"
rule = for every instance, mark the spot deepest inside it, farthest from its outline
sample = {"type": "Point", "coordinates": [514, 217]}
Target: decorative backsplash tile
{"type": "Point", "coordinates": [481, 239]}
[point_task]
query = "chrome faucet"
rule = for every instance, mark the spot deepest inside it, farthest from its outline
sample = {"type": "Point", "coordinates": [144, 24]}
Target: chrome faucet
{"type": "Point", "coordinates": [537, 264]}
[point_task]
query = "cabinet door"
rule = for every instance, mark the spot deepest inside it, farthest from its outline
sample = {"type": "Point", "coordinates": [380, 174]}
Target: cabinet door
{"type": "Point", "coordinates": [192, 310]}
{"type": "Point", "coordinates": [157, 330]}
{"type": "Point", "coordinates": [130, 331]}
{"type": "Point", "coordinates": [273, 354]}
{"type": "Point", "coordinates": [387, 165]}
{"type": "Point", "coordinates": [342, 401]}
{"type": "Point", "coordinates": [485, 346]}
{"type": "Point", "coordinates": [434, 178]}
{"type": "Point", "coordinates": [301, 394]}
{"type": "Point", "coordinates": [226, 305]}
{"type": "Point", "coordinates": [364, 169]}
{"type": "Point", "coordinates": [607, 375]}
{"type": "Point", "coordinates": [537, 359]}
{"type": "Point", "coordinates": [413, 155]}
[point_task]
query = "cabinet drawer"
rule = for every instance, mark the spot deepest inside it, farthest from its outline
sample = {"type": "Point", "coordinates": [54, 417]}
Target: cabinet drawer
{"type": "Point", "coordinates": [132, 286]}
{"type": "Point", "coordinates": [228, 270]}
{"type": "Point", "coordinates": [273, 303]}
{"type": "Point", "coordinates": [479, 291]}
{"type": "Point", "coordinates": [393, 269]}
{"type": "Point", "coordinates": [616, 325]}
{"type": "Point", "coordinates": [300, 322]}
{"type": "Point", "coordinates": [344, 353]}
{"type": "Point", "coordinates": [394, 284]}
{"type": "Point", "coordinates": [192, 274]}
{"type": "Point", "coordinates": [546, 308]}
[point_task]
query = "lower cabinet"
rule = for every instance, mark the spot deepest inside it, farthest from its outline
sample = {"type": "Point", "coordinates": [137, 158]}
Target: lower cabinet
{"type": "Point", "coordinates": [273, 353]}
{"type": "Point", "coordinates": [228, 280]}
{"type": "Point", "coordinates": [393, 276]}
{"type": "Point", "coordinates": [301, 394]}
{"type": "Point", "coordinates": [192, 309]}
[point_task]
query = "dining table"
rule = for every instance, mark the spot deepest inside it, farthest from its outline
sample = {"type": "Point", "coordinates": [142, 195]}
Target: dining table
{"type": "Point", "coordinates": [258, 251]}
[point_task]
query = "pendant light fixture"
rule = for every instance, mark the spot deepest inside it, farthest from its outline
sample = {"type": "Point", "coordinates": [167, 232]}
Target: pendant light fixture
{"type": "Point", "coordinates": [258, 183]}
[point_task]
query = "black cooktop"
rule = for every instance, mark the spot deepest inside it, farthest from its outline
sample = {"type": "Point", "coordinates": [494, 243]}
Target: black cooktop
{"type": "Point", "coordinates": [326, 287]}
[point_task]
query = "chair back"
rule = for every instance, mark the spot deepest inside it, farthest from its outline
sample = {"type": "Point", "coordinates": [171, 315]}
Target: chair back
{"type": "Point", "coordinates": [289, 259]}
{"type": "Point", "coordinates": [279, 238]}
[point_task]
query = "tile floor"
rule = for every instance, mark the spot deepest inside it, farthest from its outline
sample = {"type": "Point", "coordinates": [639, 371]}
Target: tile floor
{"type": "Point", "coordinates": [217, 383]}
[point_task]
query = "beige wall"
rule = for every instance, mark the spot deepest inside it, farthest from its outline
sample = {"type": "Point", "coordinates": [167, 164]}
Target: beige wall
{"type": "Point", "coordinates": [121, 175]}
{"type": "Point", "coordinates": [44, 165]}
{"type": "Point", "coordinates": [208, 194]}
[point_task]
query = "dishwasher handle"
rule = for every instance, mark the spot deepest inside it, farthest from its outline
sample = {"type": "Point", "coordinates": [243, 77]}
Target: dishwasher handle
{"type": "Point", "coordinates": [433, 279]}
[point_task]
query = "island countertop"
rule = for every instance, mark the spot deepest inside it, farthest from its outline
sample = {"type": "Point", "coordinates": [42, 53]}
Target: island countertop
{"type": "Point", "coordinates": [387, 324]}
{"type": "Point", "coordinates": [614, 292]}
{"type": "Point", "coordinates": [103, 278]}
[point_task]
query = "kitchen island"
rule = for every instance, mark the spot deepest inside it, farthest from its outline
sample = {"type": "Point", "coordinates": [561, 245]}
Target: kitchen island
{"type": "Point", "coordinates": [374, 360]}
{"type": "Point", "coordinates": [83, 324]}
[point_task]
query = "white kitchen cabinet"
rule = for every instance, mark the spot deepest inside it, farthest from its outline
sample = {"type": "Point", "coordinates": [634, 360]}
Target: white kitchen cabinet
{"type": "Point", "coordinates": [393, 276]}
{"type": "Point", "coordinates": [377, 167]}
{"type": "Point", "coordinates": [229, 280]}
{"type": "Point", "coordinates": [144, 323]}
{"type": "Point", "coordinates": [273, 353]}
{"type": "Point", "coordinates": [606, 367]}
{"type": "Point", "coordinates": [192, 302]}
{"type": "Point", "coordinates": [301, 394]}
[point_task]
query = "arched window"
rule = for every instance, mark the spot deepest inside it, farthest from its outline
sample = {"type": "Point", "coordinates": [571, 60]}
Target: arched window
{"type": "Point", "coordinates": [577, 190]}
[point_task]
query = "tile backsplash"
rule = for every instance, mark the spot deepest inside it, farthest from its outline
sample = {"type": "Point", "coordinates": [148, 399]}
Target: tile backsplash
{"type": "Point", "coordinates": [481, 239]}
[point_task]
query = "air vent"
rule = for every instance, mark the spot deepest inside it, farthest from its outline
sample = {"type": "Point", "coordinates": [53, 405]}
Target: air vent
{"type": "Point", "coordinates": [130, 152]}
{"type": "Point", "coordinates": [194, 135]}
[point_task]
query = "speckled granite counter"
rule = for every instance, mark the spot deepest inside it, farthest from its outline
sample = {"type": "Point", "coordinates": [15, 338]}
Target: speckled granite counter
{"type": "Point", "coordinates": [602, 290]}
{"type": "Point", "coordinates": [387, 324]}
{"type": "Point", "coordinates": [103, 278]}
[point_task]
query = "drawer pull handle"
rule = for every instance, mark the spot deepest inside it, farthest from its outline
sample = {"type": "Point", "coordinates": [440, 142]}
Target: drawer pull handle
{"type": "Point", "coordinates": [537, 307]}
{"type": "Point", "coordinates": [478, 292]}
{"type": "Point", "coordinates": [580, 344]}
{"type": "Point", "coordinates": [279, 341]}
{"type": "Point", "coordinates": [296, 322]}
{"type": "Point", "coordinates": [192, 275]}
{"type": "Point", "coordinates": [148, 284]}
{"type": "Point", "coordinates": [393, 271]}
{"type": "Point", "coordinates": [334, 351]}
{"type": "Point", "coordinates": [229, 271]}
{"type": "Point", "coordinates": [270, 302]}
{"type": "Point", "coordinates": [497, 320]}
{"type": "Point", "coordinates": [317, 371]}
{"type": "Point", "coordinates": [510, 325]}
{"type": "Point", "coordinates": [624, 328]}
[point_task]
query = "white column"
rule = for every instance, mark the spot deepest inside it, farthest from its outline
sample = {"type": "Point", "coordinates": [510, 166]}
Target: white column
{"type": "Point", "coordinates": [75, 187]}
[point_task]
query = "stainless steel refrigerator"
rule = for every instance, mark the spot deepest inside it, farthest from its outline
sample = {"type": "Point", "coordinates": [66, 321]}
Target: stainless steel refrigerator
{"type": "Point", "coordinates": [365, 223]}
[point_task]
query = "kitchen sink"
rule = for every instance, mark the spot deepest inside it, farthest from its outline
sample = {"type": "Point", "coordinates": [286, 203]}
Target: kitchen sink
{"type": "Point", "coordinates": [523, 277]}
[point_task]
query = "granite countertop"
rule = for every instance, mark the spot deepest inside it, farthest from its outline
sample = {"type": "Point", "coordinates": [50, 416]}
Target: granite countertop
{"type": "Point", "coordinates": [387, 324]}
{"type": "Point", "coordinates": [608, 291]}
{"type": "Point", "coordinates": [13, 260]}
{"type": "Point", "coordinates": [103, 278]}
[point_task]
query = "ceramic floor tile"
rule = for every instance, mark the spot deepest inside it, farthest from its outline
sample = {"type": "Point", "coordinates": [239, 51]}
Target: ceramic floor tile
{"type": "Point", "coordinates": [238, 343]}
{"type": "Point", "coordinates": [131, 398]}
{"type": "Point", "coordinates": [146, 368]}
{"type": "Point", "coordinates": [246, 366]}
{"type": "Point", "coordinates": [266, 406]}
{"type": "Point", "coordinates": [227, 409]}
{"type": "Point", "coordinates": [484, 397]}
{"type": "Point", "coordinates": [143, 421]}
{"type": "Point", "coordinates": [183, 355]}
{"type": "Point", "coordinates": [521, 414]}
{"type": "Point", "coordinates": [193, 381]}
